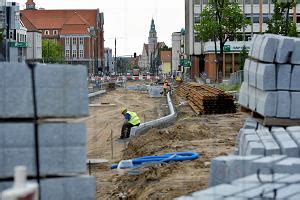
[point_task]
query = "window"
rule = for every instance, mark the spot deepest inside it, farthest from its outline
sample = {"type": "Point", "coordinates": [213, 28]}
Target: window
{"type": "Point", "coordinates": [67, 41]}
{"type": "Point", "coordinates": [55, 32]}
{"type": "Point", "coordinates": [197, 18]}
{"type": "Point", "coordinates": [265, 1]}
{"type": "Point", "coordinates": [298, 19]}
{"type": "Point", "coordinates": [81, 41]}
{"type": "Point", "coordinates": [46, 32]}
{"type": "Point", "coordinates": [74, 41]}
{"type": "Point", "coordinates": [197, 2]}
{"type": "Point", "coordinates": [67, 53]}
{"type": "Point", "coordinates": [74, 53]}
{"type": "Point", "coordinates": [81, 55]}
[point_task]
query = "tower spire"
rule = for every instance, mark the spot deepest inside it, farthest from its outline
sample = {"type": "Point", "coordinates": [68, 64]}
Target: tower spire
{"type": "Point", "coordinates": [152, 27]}
{"type": "Point", "coordinates": [30, 5]}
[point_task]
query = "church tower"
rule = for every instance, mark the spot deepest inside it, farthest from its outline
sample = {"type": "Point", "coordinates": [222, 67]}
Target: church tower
{"type": "Point", "coordinates": [152, 39]}
{"type": "Point", "coordinates": [30, 5]}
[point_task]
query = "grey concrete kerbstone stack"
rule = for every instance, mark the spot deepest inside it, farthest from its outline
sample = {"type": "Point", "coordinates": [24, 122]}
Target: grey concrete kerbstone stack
{"type": "Point", "coordinates": [295, 105]}
{"type": "Point", "coordinates": [225, 169]}
{"type": "Point", "coordinates": [62, 148]}
{"type": "Point", "coordinates": [283, 104]}
{"type": "Point", "coordinates": [252, 73]}
{"type": "Point", "coordinates": [66, 90]}
{"type": "Point", "coordinates": [266, 76]}
{"type": "Point", "coordinates": [295, 83]}
{"type": "Point", "coordinates": [286, 143]}
{"type": "Point", "coordinates": [295, 57]}
{"type": "Point", "coordinates": [252, 45]}
{"type": "Point", "coordinates": [268, 49]}
{"type": "Point", "coordinates": [255, 53]}
{"type": "Point", "coordinates": [15, 91]}
{"type": "Point", "coordinates": [288, 165]}
{"type": "Point", "coordinates": [266, 102]}
{"type": "Point", "coordinates": [246, 69]}
{"type": "Point", "coordinates": [243, 94]}
{"type": "Point", "coordinates": [265, 164]}
{"type": "Point", "coordinates": [294, 132]}
{"type": "Point", "coordinates": [283, 76]}
{"type": "Point", "coordinates": [271, 147]}
{"type": "Point", "coordinates": [285, 49]}
{"type": "Point", "coordinates": [252, 97]}
{"type": "Point", "coordinates": [251, 145]}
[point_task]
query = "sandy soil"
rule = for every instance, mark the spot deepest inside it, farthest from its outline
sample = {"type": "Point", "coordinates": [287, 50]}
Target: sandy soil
{"type": "Point", "coordinates": [210, 136]}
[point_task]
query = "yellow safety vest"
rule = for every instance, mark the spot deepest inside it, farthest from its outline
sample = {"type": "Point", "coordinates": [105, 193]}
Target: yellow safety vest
{"type": "Point", "coordinates": [134, 119]}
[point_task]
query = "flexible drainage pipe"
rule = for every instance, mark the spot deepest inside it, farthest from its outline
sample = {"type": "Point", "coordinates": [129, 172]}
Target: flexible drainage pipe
{"type": "Point", "coordinates": [176, 156]}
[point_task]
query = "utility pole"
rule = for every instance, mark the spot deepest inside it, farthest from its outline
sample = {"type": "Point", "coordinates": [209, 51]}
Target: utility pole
{"type": "Point", "coordinates": [115, 54]}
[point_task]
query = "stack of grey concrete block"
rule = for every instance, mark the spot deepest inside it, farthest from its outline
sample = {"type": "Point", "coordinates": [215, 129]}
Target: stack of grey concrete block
{"type": "Point", "coordinates": [61, 92]}
{"type": "Point", "coordinates": [271, 86]}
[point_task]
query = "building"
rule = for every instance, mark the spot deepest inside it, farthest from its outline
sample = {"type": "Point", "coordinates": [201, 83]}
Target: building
{"type": "Point", "coordinates": [177, 50]}
{"type": "Point", "coordinates": [149, 59]}
{"type": "Point", "coordinates": [34, 40]}
{"type": "Point", "coordinates": [201, 53]}
{"type": "Point", "coordinates": [166, 59]}
{"type": "Point", "coordinates": [14, 35]}
{"type": "Point", "coordinates": [108, 61]}
{"type": "Point", "coordinates": [79, 32]}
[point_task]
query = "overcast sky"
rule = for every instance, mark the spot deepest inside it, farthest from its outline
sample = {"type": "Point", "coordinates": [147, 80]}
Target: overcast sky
{"type": "Point", "coordinates": [128, 20]}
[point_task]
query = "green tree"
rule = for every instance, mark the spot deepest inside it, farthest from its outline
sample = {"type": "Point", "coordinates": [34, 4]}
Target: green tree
{"type": "Point", "coordinates": [220, 20]}
{"type": "Point", "coordinates": [52, 51]}
{"type": "Point", "coordinates": [280, 23]}
{"type": "Point", "coordinates": [243, 56]}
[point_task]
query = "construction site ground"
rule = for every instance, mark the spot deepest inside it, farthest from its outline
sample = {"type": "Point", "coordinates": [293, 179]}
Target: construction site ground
{"type": "Point", "coordinates": [208, 135]}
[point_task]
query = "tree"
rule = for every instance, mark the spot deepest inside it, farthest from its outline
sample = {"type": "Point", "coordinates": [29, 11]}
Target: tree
{"type": "Point", "coordinates": [52, 52]}
{"type": "Point", "coordinates": [243, 56]}
{"type": "Point", "coordinates": [220, 20]}
{"type": "Point", "coordinates": [280, 23]}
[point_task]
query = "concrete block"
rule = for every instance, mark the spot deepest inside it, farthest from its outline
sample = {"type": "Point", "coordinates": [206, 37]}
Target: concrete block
{"type": "Point", "coordinates": [284, 72]}
{"type": "Point", "coordinates": [75, 134]}
{"type": "Point", "coordinates": [255, 53]}
{"type": "Point", "coordinates": [50, 102]}
{"type": "Point", "coordinates": [252, 46]}
{"type": "Point", "coordinates": [295, 57]}
{"type": "Point", "coordinates": [254, 148]}
{"type": "Point", "coordinates": [17, 156]}
{"type": "Point", "coordinates": [292, 178]}
{"type": "Point", "coordinates": [74, 160]}
{"type": "Point", "coordinates": [16, 135]}
{"type": "Point", "coordinates": [268, 48]}
{"type": "Point", "coordinates": [52, 134]}
{"type": "Point", "coordinates": [250, 123]}
{"type": "Point", "coordinates": [247, 135]}
{"type": "Point", "coordinates": [256, 192]}
{"type": "Point", "coordinates": [243, 95]}
{"type": "Point", "coordinates": [295, 83]}
{"type": "Point", "coordinates": [295, 135]}
{"type": "Point", "coordinates": [18, 102]}
{"type": "Point", "coordinates": [154, 91]}
{"type": "Point", "coordinates": [288, 165]}
{"type": "Point", "coordinates": [271, 146]}
{"type": "Point", "coordinates": [266, 103]}
{"type": "Point", "coordinates": [252, 73]}
{"type": "Point", "coordinates": [246, 69]}
{"type": "Point", "coordinates": [283, 104]}
{"type": "Point", "coordinates": [225, 169]}
{"type": "Point", "coordinates": [266, 76]}
{"type": "Point", "coordinates": [75, 76]}
{"type": "Point", "coordinates": [50, 76]}
{"type": "Point", "coordinates": [295, 105]}
{"type": "Point", "coordinates": [265, 163]}
{"type": "Point", "coordinates": [294, 196]}
{"type": "Point", "coordinates": [284, 192]}
{"type": "Point", "coordinates": [264, 177]}
{"type": "Point", "coordinates": [80, 106]}
{"type": "Point", "coordinates": [286, 143]}
{"type": "Point", "coordinates": [52, 160]}
{"type": "Point", "coordinates": [284, 49]}
{"type": "Point", "coordinates": [219, 190]}
{"type": "Point", "coordinates": [252, 98]}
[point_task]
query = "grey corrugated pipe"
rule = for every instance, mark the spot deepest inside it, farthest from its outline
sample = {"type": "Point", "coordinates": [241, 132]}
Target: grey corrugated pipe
{"type": "Point", "coordinates": [157, 122]}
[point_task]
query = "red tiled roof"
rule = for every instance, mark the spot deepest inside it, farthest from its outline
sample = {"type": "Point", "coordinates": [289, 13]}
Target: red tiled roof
{"type": "Point", "coordinates": [55, 19]}
{"type": "Point", "coordinates": [30, 27]}
{"type": "Point", "coordinates": [165, 56]}
{"type": "Point", "coordinates": [74, 29]}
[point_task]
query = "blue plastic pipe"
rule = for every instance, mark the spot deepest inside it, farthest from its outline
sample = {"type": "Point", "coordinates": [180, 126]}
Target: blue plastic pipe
{"type": "Point", "coordinates": [175, 156]}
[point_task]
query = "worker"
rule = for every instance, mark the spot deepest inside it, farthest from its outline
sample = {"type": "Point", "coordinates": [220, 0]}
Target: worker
{"type": "Point", "coordinates": [165, 87]}
{"type": "Point", "coordinates": [131, 120]}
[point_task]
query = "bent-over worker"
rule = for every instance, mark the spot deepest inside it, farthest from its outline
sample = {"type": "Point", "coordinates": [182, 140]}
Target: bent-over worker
{"type": "Point", "coordinates": [131, 120]}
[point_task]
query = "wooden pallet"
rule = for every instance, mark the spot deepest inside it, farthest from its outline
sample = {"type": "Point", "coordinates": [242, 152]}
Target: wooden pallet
{"type": "Point", "coordinates": [270, 121]}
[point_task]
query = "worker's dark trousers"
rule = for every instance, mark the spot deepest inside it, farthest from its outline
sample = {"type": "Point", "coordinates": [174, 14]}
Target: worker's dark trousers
{"type": "Point", "coordinates": [125, 133]}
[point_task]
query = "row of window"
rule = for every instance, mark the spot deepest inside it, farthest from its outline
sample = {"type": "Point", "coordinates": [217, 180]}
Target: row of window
{"type": "Point", "coordinates": [74, 41]}
{"type": "Point", "coordinates": [74, 53]}
{"type": "Point", "coordinates": [54, 32]}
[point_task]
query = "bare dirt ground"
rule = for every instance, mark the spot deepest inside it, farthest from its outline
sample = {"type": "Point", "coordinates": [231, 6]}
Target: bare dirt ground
{"type": "Point", "coordinates": [209, 135]}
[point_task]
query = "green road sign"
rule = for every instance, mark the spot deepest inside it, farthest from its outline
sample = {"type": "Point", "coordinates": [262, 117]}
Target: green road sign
{"type": "Point", "coordinates": [185, 63]}
{"type": "Point", "coordinates": [226, 48]}
{"type": "Point", "coordinates": [18, 44]}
